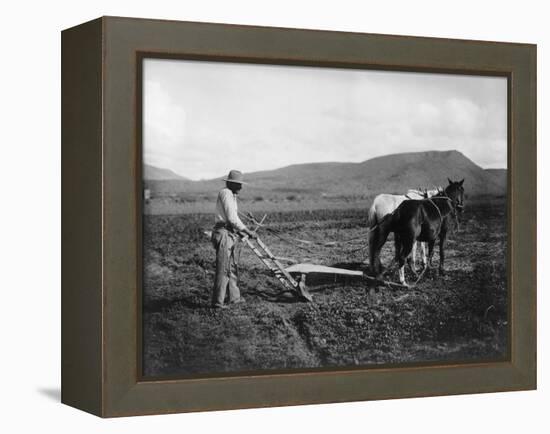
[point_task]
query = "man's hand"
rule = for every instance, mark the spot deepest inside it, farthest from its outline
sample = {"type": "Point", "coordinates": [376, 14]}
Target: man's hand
{"type": "Point", "coordinates": [250, 234]}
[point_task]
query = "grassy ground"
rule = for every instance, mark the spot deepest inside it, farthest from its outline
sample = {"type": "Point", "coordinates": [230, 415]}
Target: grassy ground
{"type": "Point", "coordinates": [459, 316]}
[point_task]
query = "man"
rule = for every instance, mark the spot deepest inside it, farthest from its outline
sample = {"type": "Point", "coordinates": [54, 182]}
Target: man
{"type": "Point", "coordinates": [225, 236]}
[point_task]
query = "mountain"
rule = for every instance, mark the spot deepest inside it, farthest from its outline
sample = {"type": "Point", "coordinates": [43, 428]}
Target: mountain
{"type": "Point", "coordinates": [391, 173]}
{"type": "Point", "coordinates": [152, 173]}
{"type": "Point", "coordinates": [394, 173]}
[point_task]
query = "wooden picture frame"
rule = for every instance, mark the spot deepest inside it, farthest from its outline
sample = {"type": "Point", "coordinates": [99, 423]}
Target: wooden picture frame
{"type": "Point", "coordinates": [101, 199]}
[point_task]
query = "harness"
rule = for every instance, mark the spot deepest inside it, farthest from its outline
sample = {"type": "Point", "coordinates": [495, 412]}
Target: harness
{"type": "Point", "coordinates": [453, 211]}
{"type": "Point", "coordinates": [437, 208]}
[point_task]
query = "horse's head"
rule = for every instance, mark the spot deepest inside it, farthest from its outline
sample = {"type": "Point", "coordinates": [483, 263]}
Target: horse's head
{"type": "Point", "coordinates": [455, 192]}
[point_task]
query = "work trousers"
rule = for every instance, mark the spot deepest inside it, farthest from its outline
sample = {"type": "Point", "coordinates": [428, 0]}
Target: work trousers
{"type": "Point", "coordinates": [225, 243]}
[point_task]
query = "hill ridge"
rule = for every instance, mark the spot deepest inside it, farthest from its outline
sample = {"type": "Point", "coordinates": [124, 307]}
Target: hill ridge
{"type": "Point", "coordinates": [154, 173]}
{"type": "Point", "coordinates": [393, 173]}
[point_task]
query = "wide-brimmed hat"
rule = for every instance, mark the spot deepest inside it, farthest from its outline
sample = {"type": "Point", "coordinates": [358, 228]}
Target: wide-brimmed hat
{"type": "Point", "coordinates": [235, 176]}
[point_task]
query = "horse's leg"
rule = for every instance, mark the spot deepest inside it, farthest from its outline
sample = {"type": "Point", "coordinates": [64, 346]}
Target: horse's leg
{"type": "Point", "coordinates": [397, 245]}
{"type": "Point", "coordinates": [373, 247]}
{"type": "Point", "coordinates": [431, 245]}
{"type": "Point", "coordinates": [407, 244]}
{"type": "Point", "coordinates": [424, 257]}
{"type": "Point", "coordinates": [402, 275]}
{"type": "Point", "coordinates": [398, 257]}
{"type": "Point", "coordinates": [408, 248]}
{"type": "Point", "coordinates": [413, 266]}
{"type": "Point", "coordinates": [410, 261]}
{"type": "Point", "coordinates": [442, 237]}
{"type": "Point", "coordinates": [380, 238]}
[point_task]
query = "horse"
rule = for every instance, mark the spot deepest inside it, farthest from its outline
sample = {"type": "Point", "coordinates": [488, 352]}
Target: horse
{"type": "Point", "coordinates": [385, 204]}
{"type": "Point", "coordinates": [419, 220]}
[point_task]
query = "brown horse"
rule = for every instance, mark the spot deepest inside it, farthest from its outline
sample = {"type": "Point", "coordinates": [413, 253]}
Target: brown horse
{"type": "Point", "coordinates": [385, 204]}
{"type": "Point", "coordinates": [418, 220]}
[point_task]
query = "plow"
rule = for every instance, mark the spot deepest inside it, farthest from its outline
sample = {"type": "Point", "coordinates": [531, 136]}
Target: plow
{"type": "Point", "coordinates": [293, 278]}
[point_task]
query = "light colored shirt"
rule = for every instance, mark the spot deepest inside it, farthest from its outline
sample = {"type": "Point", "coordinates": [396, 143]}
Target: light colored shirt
{"type": "Point", "coordinates": [227, 210]}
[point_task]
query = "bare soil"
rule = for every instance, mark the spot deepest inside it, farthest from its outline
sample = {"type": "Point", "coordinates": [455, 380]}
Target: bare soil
{"type": "Point", "coordinates": [459, 317]}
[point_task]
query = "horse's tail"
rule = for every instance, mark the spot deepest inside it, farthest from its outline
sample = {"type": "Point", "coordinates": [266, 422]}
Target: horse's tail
{"type": "Point", "coordinates": [372, 220]}
{"type": "Point", "coordinates": [373, 241]}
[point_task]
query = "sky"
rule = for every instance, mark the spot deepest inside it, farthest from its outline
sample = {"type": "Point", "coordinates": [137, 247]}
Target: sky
{"type": "Point", "coordinates": [201, 119]}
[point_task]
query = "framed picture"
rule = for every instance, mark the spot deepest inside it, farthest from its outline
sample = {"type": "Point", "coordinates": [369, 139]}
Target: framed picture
{"type": "Point", "coordinates": [258, 216]}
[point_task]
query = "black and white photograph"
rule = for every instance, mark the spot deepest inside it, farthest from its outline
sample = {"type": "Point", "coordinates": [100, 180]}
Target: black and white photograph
{"type": "Point", "coordinates": [275, 217]}
{"type": "Point", "coordinates": [300, 218]}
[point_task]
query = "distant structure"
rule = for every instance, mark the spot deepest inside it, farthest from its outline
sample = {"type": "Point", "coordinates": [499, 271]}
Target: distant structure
{"type": "Point", "coordinates": [146, 194]}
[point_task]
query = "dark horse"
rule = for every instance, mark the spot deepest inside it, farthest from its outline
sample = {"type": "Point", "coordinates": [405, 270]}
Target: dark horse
{"type": "Point", "coordinates": [417, 220]}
